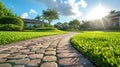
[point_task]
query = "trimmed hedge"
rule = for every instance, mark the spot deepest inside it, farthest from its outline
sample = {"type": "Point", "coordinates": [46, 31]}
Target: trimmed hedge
{"type": "Point", "coordinates": [46, 28]}
{"type": "Point", "coordinates": [115, 28]}
{"type": "Point", "coordinates": [10, 27]}
{"type": "Point", "coordinates": [11, 24]}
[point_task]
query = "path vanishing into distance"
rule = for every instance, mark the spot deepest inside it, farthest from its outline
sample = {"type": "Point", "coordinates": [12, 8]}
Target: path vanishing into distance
{"type": "Point", "coordinates": [50, 51]}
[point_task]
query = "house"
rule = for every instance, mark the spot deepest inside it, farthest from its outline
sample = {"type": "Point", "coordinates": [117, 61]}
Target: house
{"type": "Point", "coordinates": [31, 23]}
{"type": "Point", "coordinates": [112, 20]}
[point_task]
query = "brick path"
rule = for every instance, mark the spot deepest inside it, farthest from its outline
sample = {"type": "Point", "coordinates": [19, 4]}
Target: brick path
{"type": "Point", "coordinates": [51, 51]}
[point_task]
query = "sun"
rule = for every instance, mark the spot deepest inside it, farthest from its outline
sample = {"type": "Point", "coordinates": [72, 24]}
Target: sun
{"type": "Point", "coordinates": [97, 13]}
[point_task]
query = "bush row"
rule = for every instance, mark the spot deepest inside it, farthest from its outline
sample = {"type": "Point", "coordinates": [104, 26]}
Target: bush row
{"type": "Point", "coordinates": [11, 24]}
{"type": "Point", "coordinates": [10, 27]}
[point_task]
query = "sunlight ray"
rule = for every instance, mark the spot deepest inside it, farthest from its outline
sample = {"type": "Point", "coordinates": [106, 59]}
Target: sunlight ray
{"type": "Point", "coordinates": [97, 12]}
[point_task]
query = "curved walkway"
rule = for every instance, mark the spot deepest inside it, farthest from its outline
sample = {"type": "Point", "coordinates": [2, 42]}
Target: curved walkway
{"type": "Point", "coordinates": [50, 51]}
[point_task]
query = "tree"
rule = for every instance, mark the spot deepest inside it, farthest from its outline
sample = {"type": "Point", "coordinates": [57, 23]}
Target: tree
{"type": "Point", "coordinates": [59, 26]}
{"type": "Point", "coordinates": [40, 18]}
{"type": "Point", "coordinates": [5, 11]}
{"type": "Point", "coordinates": [50, 15]}
{"type": "Point", "coordinates": [65, 26]}
{"type": "Point", "coordinates": [74, 24]}
{"type": "Point", "coordinates": [62, 26]}
{"type": "Point", "coordinates": [112, 11]}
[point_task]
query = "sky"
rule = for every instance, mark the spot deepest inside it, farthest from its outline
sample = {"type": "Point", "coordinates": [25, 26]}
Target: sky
{"type": "Point", "coordinates": [67, 9]}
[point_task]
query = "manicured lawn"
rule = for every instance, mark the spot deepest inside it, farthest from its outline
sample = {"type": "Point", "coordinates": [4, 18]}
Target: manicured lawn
{"type": "Point", "coordinates": [9, 37]}
{"type": "Point", "coordinates": [102, 48]}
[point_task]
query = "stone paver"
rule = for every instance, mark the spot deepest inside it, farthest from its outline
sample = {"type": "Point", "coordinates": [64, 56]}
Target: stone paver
{"type": "Point", "coordinates": [34, 63]}
{"type": "Point", "coordinates": [20, 56]}
{"type": "Point", "coordinates": [50, 51]}
{"type": "Point", "coordinates": [18, 66]}
{"type": "Point", "coordinates": [68, 61]}
{"type": "Point", "coordinates": [35, 56]}
{"type": "Point", "coordinates": [3, 55]}
{"type": "Point", "coordinates": [49, 64]}
{"type": "Point", "coordinates": [22, 61]}
{"type": "Point", "coordinates": [49, 58]}
{"type": "Point", "coordinates": [5, 65]}
{"type": "Point", "coordinates": [24, 50]}
{"type": "Point", "coordinates": [11, 61]}
{"type": "Point", "coordinates": [67, 55]}
{"type": "Point", "coordinates": [2, 60]}
{"type": "Point", "coordinates": [41, 51]}
{"type": "Point", "coordinates": [65, 50]}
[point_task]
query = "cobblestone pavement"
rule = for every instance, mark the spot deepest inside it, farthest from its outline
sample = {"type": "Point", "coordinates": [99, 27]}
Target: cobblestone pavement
{"type": "Point", "coordinates": [50, 51]}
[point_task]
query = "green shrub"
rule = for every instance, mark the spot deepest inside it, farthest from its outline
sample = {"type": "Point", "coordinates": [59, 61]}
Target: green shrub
{"type": "Point", "coordinates": [47, 28]}
{"type": "Point", "coordinates": [11, 24]}
{"type": "Point", "coordinates": [47, 25]}
{"type": "Point", "coordinates": [115, 28]}
{"type": "Point", "coordinates": [10, 27]}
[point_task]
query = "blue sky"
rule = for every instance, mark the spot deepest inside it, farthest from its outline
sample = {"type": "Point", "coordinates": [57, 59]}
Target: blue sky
{"type": "Point", "coordinates": [68, 9]}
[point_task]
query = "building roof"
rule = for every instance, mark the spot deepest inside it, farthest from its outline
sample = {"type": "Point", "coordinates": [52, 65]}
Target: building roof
{"type": "Point", "coordinates": [35, 21]}
{"type": "Point", "coordinates": [114, 15]}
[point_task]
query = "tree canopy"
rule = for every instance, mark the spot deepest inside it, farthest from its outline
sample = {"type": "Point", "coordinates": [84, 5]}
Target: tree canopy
{"type": "Point", "coordinates": [50, 15]}
{"type": "Point", "coordinates": [59, 25]}
{"type": "Point", "coordinates": [40, 18]}
{"type": "Point", "coordinates": [74, 24]}
{"type": "Point", "coordinates": [112, 11]}
{"type": "Point", "coordinates": [5, 11]}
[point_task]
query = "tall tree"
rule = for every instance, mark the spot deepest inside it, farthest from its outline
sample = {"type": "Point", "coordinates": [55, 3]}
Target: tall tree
{"type": "Point", "coordinates": [50, 15]}
{"type": "Point", "coordinates": [65, 26]}
{"type": "Point", "coordinates": [5, 11]}
{"type": "Point", "coordinates": [74, 24]}
{"type": "Point", "coordinates": [59, 26]}
{"type": "Point", "coordinates": [62, 26]}
{"type": "Point", "coordinates": [40, 18]}
{"type": "Point", "coordinates": [112, 11]}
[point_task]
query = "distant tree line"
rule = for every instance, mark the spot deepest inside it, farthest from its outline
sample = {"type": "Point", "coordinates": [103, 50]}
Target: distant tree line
{"type": "Point", "coordinates": [70, 26]}
{"type": "Point", "coordinates": [99, 24]}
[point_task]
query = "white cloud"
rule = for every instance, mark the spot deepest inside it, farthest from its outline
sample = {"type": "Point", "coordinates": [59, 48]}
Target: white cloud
{"type": "Point", "coordinates": [32, 11]}
{"type": "Point", "coordinates": [82, 3]}
{"type": "Point", "coordinates": [24, 15]}
{"type": "Point", "coordinates": [70, 8]}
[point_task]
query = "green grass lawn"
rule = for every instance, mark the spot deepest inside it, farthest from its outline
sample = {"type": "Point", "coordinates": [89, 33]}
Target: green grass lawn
{"type": "Point", "coordinates": [101, 48]}
{"type": "Point", "coordinates": [7, 37]}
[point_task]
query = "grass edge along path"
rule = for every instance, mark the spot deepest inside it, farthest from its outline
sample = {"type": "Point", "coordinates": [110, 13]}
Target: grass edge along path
{"type": "Point", "coordinates": [7, 37]}
{"type": "Point", "coordinates": [101, 48]}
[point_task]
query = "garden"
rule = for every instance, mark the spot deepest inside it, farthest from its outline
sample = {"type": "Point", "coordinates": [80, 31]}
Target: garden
{"type": "Point", "coordinates": [102, 47]}
{"type": "Point", "coordinates": [12, 27]}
